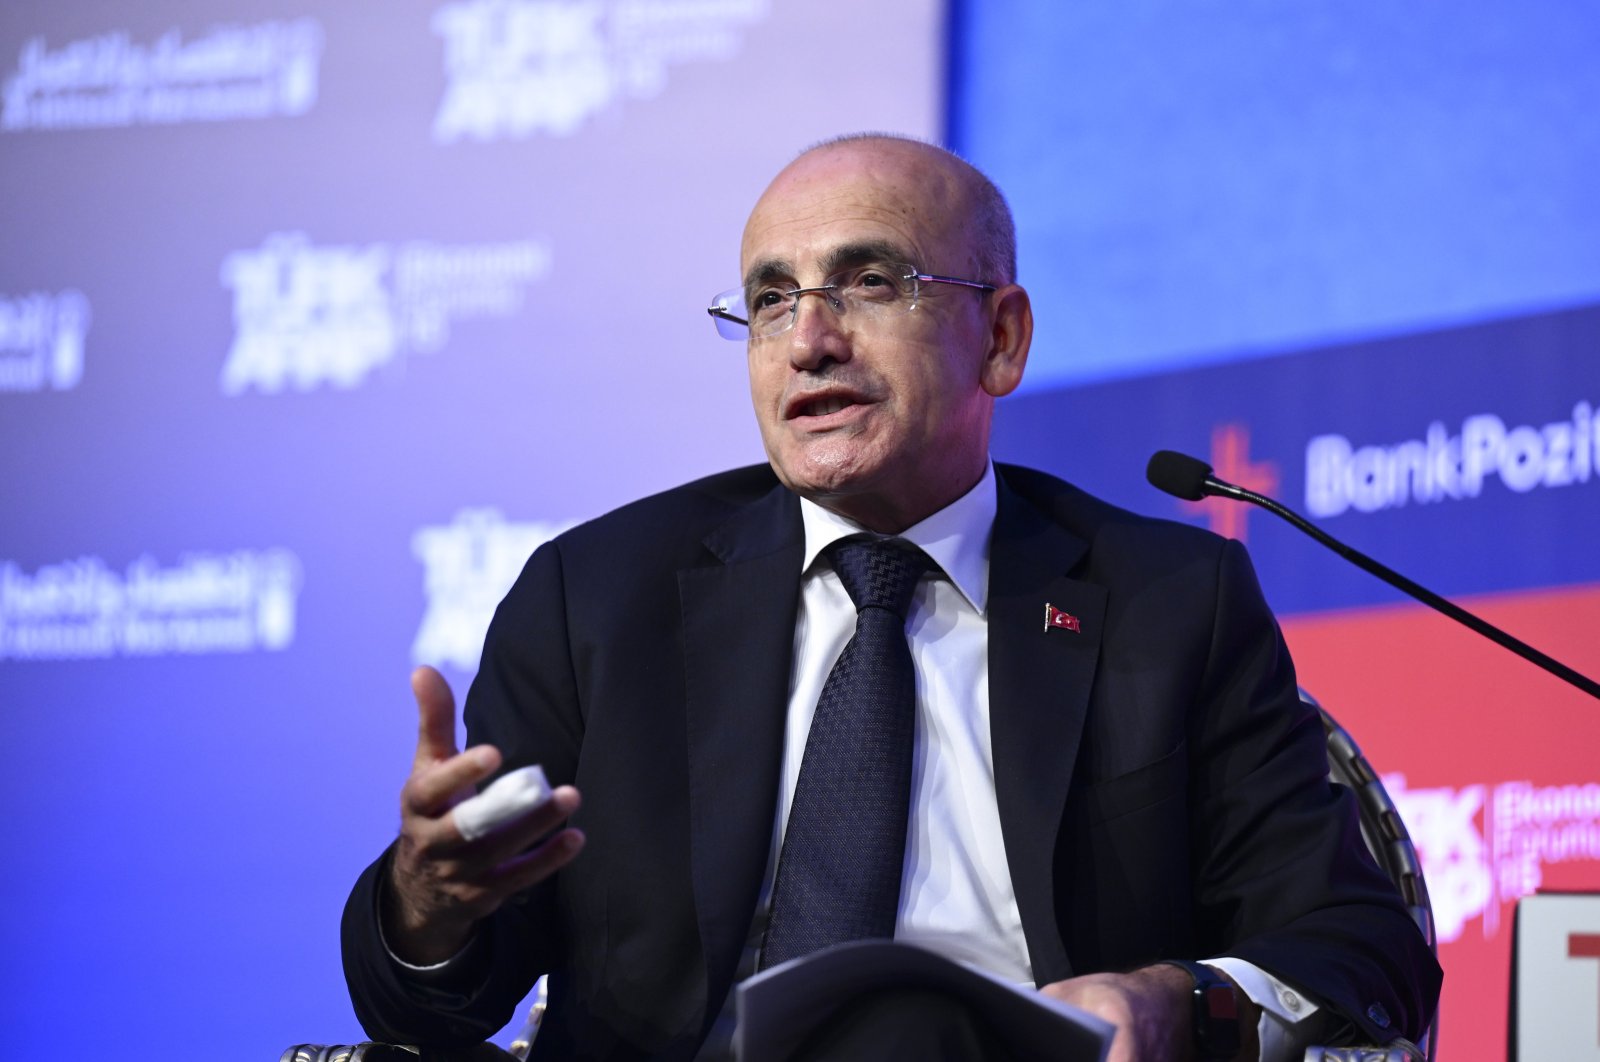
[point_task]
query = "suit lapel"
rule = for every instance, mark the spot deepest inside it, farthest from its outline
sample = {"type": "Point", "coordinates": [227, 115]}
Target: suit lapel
{"type": "Point", "coordinates": [738, 631]}
{"type": "Point", "coordinates": [1039, 684]}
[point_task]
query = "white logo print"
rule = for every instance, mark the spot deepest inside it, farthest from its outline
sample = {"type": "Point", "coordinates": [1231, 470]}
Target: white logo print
{"type": "Point", "coordinates": [1441, 466]}
{"type": "Point", "coordinates": [41, 341]}
{"type": "Point", "coordinates": [1527, 826]}
{"type": "Point", "coordinates": [517, 68]}
{"type": "Point", "coordinates": [1455, 861]}
{"type": "Point", "coordinates": [305, 316]}
{"type": "Point", "coordinates": [206, 603]}
{"type": "Point", "coordinates": [470, 564]}
{"type": "Point", "coordinates": [233, 72]}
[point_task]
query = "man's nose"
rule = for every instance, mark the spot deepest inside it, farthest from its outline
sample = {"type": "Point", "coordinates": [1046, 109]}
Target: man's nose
{"type": "Point", "coordinates": [818, 333]}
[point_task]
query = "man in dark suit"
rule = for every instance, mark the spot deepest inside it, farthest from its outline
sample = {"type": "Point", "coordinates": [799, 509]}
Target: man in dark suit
{"type": "Point", "coordinates": [1112, 767]}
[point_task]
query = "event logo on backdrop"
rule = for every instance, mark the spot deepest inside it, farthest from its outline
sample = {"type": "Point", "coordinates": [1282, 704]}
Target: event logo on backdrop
{"type": "Point", "coordinates": [41, 340]}
{"type": "Point", "coordinates": [1231, 461]}
{"type": "Point", "coordinates": [82, 609]}
{"type": "Point", "coordinates": [470, 563]}
{"type": "Point", "coordinates": [1471, 872]}
{"type": "Point", "coordinates": [1441, 466]}
{"type": "Point", "coordinates": [307, 316]}
{"type": "Point", "coordinates": [264, 70]}
{"type": "Point", "coordinates": [517, 68]}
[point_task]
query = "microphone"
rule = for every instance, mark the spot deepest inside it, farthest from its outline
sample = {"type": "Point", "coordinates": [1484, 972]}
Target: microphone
{"type": "Point", "coordinates": [1190, 478]}
{"type": "Point", "coordinates": [1180, 475]}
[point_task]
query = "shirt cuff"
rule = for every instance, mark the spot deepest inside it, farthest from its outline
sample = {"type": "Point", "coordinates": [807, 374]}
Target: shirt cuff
{"type": "Point", "coordinates": [432, 967]}
{"type": "Point", "coordinates": [1290, 1020]}
{"type": "Point", "coordinates": [449, 985]}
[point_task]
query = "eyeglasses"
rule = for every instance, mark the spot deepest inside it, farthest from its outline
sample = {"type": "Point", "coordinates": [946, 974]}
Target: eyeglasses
{"type": "Point", "coordinates": [863, 292]}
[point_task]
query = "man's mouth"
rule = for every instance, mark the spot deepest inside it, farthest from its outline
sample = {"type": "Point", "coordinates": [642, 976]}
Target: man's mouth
{"type": "Point", "coordinates": [823, 405]}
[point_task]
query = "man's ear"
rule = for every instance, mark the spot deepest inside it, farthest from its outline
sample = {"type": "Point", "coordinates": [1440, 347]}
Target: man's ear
{"type": "Point", "coordinates": [1010, 336]}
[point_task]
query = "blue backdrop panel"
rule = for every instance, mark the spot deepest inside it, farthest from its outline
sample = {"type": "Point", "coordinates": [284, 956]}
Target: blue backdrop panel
{"type": "Point", "coordinates": [1468, 458]}
{"type": "Point", "coordinates": [1205, 181]}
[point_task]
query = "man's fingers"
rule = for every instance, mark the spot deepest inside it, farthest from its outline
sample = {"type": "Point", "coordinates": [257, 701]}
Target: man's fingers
{"type": "Point", "coordinates": [434, 787]}
{"type": "Point", "coordinates": [436, 717]}
{"type": "Point", "coordinates": [471, 890]}
{"type": "Point", "coordinates": [492, 867]}
{"type": "Point", "coordinates": [536, 864]}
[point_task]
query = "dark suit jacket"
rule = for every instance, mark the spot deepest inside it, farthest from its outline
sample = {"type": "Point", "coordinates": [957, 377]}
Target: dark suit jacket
{"type": "Point", "coordinates": [1162, 791]}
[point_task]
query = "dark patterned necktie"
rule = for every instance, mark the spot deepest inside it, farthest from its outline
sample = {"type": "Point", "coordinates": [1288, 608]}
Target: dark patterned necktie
{"type": "Point", "coordinates": [843, 848]}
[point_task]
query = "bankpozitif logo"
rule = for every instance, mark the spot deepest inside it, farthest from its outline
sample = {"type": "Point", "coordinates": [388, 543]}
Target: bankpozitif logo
{"type": "Point", "coordinates": [1446, 466]}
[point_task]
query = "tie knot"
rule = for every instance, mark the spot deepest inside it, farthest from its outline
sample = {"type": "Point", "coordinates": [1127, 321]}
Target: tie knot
{"type": "Point", "coordinates": [878, 572]}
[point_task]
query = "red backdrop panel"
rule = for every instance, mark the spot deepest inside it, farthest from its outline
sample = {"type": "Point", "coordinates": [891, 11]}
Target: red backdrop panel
{"type": "Point", "coordinates": [1493, 762]}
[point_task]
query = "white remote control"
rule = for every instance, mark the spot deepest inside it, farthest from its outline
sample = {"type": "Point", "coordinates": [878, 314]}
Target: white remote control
{"type": "Point", "coordinates": [508, 797]}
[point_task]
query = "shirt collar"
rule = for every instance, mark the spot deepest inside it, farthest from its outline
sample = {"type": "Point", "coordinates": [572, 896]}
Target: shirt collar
{"type": "Point", "coordinates": [956, 537]}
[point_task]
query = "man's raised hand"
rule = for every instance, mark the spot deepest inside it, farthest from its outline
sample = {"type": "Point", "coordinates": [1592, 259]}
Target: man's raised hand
{"type": "Point", "coordinates": [441, 885]}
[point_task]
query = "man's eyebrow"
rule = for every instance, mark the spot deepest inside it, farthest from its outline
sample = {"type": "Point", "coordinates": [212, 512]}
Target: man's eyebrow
{"type": "Point", "coordinates": [854, 254]}
{"type": "Point", "coordinates": [844, 256]}
{"type": "Point", "coordinates": [767, 270]}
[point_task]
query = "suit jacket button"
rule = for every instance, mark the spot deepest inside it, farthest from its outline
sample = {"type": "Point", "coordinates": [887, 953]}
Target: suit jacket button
{"type": "Point", "coordinates": [1379, 1016]}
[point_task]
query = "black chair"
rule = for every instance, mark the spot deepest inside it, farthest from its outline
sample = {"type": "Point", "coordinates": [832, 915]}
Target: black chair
{"type": "Point", "coordinates": [1381, 828]}
{"type": "Point", "coordinates": [377, 1052]}
{"type": "Point", "coordinates": [1391, 847]}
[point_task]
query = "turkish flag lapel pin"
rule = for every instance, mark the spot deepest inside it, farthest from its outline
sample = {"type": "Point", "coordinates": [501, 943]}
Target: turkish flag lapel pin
{"type": "Point", "coordinates": [1057, 620]}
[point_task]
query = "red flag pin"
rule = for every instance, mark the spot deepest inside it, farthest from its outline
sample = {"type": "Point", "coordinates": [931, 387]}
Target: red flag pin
{"type": "Point", "coordinates": [1061, 621]}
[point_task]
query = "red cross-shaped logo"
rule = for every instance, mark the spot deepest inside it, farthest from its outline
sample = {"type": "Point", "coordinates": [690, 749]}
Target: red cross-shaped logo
{"type": "Point", "coordinates": [1230, 460]}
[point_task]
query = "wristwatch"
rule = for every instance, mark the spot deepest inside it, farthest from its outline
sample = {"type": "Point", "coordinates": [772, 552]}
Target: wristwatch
{"type": "Point", "coordinates": [1215, 1014]}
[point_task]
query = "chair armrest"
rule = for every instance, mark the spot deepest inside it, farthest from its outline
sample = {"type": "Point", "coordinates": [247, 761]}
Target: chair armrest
{"type": "Point", "coordinates": [1359, 1054]}
{"type": "Point", "coordinates": [376, 1052]}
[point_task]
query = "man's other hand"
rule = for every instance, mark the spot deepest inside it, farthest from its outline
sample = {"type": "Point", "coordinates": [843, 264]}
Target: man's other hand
{"type": "Point", "coordinates": [441, 885]}
{"type": "Point", "coordinates": [1152, 1011]}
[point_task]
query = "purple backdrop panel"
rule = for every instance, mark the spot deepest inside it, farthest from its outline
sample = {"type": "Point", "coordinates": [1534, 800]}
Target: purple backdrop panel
{"type": "Point", "coordinates": [315, 318]}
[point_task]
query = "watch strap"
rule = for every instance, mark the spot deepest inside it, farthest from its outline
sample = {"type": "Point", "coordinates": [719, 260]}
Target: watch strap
{"type": "Point", "coordinates": [1214, 1012]}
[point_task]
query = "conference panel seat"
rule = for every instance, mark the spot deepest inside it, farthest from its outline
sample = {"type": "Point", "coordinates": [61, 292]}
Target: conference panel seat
{"type": "Point", "coordinates": [1381, 828]}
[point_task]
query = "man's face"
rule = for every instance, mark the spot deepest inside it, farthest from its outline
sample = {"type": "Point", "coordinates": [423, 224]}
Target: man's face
{"type": "Point", "coordinates": [882, 420]}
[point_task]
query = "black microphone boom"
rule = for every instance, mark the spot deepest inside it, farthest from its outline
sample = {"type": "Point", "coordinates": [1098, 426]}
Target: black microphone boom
{"type": "Point", "coordinates": [1190, 478]}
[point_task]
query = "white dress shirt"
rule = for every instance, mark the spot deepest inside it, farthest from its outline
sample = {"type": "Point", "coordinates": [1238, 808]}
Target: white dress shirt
{"type": "Point", "coordinates": [956, 896]}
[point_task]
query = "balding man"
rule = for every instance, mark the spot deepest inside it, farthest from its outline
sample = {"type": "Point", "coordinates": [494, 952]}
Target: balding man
{"type": "Point", "coordinates": [1074, 804]}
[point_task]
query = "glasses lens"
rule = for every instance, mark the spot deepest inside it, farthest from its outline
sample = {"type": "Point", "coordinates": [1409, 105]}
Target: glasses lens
{"type": "Point", "coordinates": [771, 310]}
{"type": "Point", "coordinates": [876, 289]}
{"type": "Point", "coordinates": [870, 290]}
{"type": "Point", "coordinates": [730, 304]}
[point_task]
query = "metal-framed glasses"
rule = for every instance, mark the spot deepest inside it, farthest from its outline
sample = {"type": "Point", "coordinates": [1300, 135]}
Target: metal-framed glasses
{"type": "Point", "coordinates": [863, 292]}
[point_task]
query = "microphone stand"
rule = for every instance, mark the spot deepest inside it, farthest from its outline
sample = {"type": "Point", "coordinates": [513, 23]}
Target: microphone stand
{"type": "Point", "coordinates": [1217, 487]}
